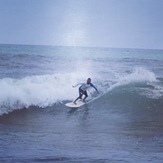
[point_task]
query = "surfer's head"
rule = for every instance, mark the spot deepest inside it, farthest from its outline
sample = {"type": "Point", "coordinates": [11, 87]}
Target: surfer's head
{"type": "Point", "coordinates": [88, 80]}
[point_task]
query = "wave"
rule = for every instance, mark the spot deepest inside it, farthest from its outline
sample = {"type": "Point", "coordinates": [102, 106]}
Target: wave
{"type": "Point", "coordinates": [46, 90]}
{"type": "Point", "coordinates": [40, 91]}
{"type": "Point", "coordinates": [145, 82]}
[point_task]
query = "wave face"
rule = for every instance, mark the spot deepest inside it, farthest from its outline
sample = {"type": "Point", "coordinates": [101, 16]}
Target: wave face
{"type": "Point", "coordinates": [42, 76]}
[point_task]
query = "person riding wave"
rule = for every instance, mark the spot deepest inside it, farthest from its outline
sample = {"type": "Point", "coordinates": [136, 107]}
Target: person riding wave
{"type": "Point", "coordinates": [83, 89]}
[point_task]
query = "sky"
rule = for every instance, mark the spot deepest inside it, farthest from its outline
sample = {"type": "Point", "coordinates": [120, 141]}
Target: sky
{"type": "Point", "coordinates": [90, 23]}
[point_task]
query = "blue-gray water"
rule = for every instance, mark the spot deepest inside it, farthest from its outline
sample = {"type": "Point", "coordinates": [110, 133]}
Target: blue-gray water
{"type": "Point", "coordinates": [124, 124]}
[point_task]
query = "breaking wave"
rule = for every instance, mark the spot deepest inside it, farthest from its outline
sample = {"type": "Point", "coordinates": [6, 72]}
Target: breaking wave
{"type": "Point", "coordinates": [45, 90]}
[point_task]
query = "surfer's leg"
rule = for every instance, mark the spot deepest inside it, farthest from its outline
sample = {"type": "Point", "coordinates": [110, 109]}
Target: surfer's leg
{"type": "Point", "coordinates": [86, 95]}
{"type": "Point", "coordinates": [80, 95]}
{"type": "Point", "coordinates": [76, 100]}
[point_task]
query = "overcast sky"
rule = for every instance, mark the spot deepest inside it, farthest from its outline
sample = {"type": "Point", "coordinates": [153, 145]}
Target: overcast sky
{"type": "Point", "coordinates": [95, 23]}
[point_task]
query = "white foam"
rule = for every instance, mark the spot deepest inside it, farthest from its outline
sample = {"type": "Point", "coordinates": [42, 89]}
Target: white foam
{"type": "Point", "coordinates": [138, 75]}
{"type": "Point", "coordinates": [40, 91]}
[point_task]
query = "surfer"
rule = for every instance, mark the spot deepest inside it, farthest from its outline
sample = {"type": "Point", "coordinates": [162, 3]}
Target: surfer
{"type": "Point", "coordinates": [83, 89]}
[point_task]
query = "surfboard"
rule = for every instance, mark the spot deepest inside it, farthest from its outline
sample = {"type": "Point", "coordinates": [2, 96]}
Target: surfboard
{"type": "Point", "coordinates": [80, 103]}
{"type": "Point", "coordinates": [77, 105]}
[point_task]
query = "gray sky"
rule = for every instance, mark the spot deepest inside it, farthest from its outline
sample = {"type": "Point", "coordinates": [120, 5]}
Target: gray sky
{"type": "Point", "coordinates": [102, 23]}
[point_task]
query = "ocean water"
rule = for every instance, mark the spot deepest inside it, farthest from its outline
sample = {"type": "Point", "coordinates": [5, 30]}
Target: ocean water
{"type": "Point", "coordinates": [123, 124]}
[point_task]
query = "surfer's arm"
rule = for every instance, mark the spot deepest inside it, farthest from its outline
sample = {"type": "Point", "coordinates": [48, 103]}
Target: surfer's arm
{"type": "Point", "coordinates": [77, 85]}
{"type": "Point", "coordinates": [94, 87]}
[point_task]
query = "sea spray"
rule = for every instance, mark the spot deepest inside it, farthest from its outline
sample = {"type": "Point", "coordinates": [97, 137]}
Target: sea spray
{"type": "Point", "coordinates": [139, 75]}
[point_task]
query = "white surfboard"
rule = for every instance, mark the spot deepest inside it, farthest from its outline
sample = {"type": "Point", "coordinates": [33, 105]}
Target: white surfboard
{"type": "Point", "coordinates": [77, 105]}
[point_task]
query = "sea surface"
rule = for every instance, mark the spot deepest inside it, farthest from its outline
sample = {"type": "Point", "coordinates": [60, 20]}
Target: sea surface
{"type": "Point", "coordinates": [123, 123]}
